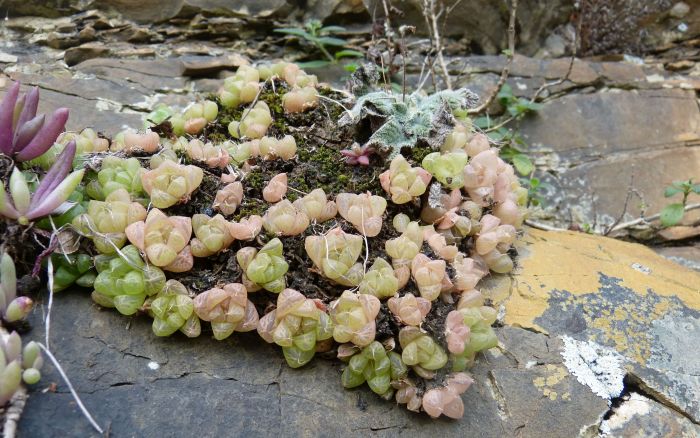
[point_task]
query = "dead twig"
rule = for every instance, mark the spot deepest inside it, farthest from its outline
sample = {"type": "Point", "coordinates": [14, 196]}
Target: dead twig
{"type": "Point", "coordinates": [82, 407]}
{"type": "Point", "coordinates": [574, 53]}
{"type": "Point", "coordinates": [509, 62]}
{"type": "Point", "coordinates": [630, 190]}
{"type": "Point", "coordinates": [543, 227]}
{"type": "Point", "coordinates": [432, 16]}
{"type": "Point", "coordinates": [252, 105]}
{"type": "Point", "coordinates": [547, 85]}
{"type": "Point", "coordinates": [622, 226]}
{"type": "Point", "coordinates": [402, 31]}
{"type": "Point", "coordinates": [647, 219]}
{"type": "Point", "coordinates": [389, 38]}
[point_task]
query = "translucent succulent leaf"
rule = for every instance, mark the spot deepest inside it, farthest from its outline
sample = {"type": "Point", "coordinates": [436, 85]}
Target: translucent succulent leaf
{"type": "Point", "coordinates": [128, 304]}
{"type": "Point", "coordinates": [296, 357]}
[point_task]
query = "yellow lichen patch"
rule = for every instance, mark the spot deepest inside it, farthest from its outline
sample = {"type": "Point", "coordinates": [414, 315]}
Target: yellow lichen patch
{"type": "Point", "coordinates": [611, 288]}
{"type": "Point", "coordinates": [554, 374]}
{"type": "Point", "coordinates": [496, 287]}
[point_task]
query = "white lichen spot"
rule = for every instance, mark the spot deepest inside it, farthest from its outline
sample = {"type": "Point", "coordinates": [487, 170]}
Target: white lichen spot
{"type": "Point", "coordinates": [636, 405]}
{"type": "Point", "coordinates": [153, 365]}
{"type": "Point", "coordinates": [641, 268]}
{"type": "Point", "coordinates": [107, 105]}
{"type": "Point", "coordinates": [148, 102]}
{"type": "Point", "coordinates": [530, 364]}
{"type": "Point", "coordinates": [501, 316]}
{"type": "Point", "coordinates": [633, 59]}
{"type": "Point", "coordinates": [595, 366]}
{"type": "Point", "coordinates": [521, 86]}
{"type": "Point", "coordinates": [655, 78]}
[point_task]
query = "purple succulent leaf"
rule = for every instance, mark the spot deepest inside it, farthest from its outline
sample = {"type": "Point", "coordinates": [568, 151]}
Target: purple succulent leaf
{"type": "Point", "coordinates": [56, 173]}
{"type": "Point", "coordinates": [7, 111]}
{"type": "Point", "coordinates": [30, 104]}
{"type": "Point", "coordinates": [45, 138]}
{"type": "Point", "coordinates": [357, 155]}
{"type": "Point", "coordinates": [26, 132]}
{"type": "Point", "coordinates": [57, 196]}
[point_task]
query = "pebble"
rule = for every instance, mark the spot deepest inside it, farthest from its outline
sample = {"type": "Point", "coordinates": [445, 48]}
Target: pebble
{"type": "Point", "coordinates": [6, 58]}
{"type": "Point", "coordinates": [679, 10]}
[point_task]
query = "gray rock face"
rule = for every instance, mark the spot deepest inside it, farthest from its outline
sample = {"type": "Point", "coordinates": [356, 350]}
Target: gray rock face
{"type": "Point", "coordinates": [485, 22]}
{"type": "Point", "coordinates": [146, 11]}
{"type": "Point", "coordinates": [553, 377]}
{"type": "Point", "coordinates": [46, 8]}
{"type": "Point", "coordinates": [140, 385]}
{"type": "Point", "coordinates": [608, 121]}
{"type": "Point", "coordinates": [642, 417]}
{"type": "Point", "coordinates": [628, 318]}
{"type": "Point", "coordinates": [261, 8]}
{"type": "Point", "coordinates": [604, 144]}
{"type": "Point", "coordinates": [610, 129]}
{"type": "Point", "coordinates": [143, 11]}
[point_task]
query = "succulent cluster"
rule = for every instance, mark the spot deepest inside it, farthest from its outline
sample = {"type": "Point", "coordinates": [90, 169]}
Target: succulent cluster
{"type": "Point", "coordinates": [310, 268]}
{"type": "Point", "coordinates": [24, 135]}
{"type": "Point", "coordinates": [17, 364]}
{"type": "Point", "coordinates": [53, 190]}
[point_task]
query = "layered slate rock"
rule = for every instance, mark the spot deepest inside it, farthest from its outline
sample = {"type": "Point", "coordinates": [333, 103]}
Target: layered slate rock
{"type": "Point", "coordinates": [141, 385]}
{"type": "Point", "coordinates": [574, 298]}
{"type": "Point", "coordinates": [618, 299]}
{"type": "Point", "coordinates": [602, 145]}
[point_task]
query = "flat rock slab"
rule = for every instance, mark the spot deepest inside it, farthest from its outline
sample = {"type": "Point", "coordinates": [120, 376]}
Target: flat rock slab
{"type": "Point", "coordinates": [602, 145]}
{"type": "Point", "coordinates": [139, 385]}
{"type": "Point", "coordinates": [572, 291]}
{"type": "Point", "coordinates": [619, 298]}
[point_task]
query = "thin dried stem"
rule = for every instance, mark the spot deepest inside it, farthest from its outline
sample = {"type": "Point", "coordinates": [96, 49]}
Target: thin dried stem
{"type": "Point", "coordinates": [630, 190]}
{"type": "Point", "coordinates": [335, 102]}
{"type": "Point", "coordinates": [47, 321]}
{"type": "Point", "coordinates": [364, 236]}
{"type": "Point", "coordinates": [543, 227]}
{"type": "Point", "coordinates": [250, 107]}
{"type": "Point", "coordinates": [57, 365]}
{"type": "Point", "coordinates": [431, 16]}
{"type": "Point", "coordinates": [509, 62]}
{"type": "Point", "coordinates": [651, 218]}
{"type": "Point", "coordinates": [547, 85]}
{"type": "Point", "coordinates": [82, 407]}
{"type": "Point", "coordinates": [622, 226]}
{"type": "Point", "coordinates": [574, 53]}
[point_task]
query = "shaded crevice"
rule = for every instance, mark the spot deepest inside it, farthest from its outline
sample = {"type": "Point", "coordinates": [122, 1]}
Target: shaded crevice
{"type": "Point", "coordinates": [124, 352]}
{"type": "Point", "coordinates": [121, 106]}
{"type": "Point", "coordinates": [398, 427]}
{"type": "Point", "coordinates": [532, 330]}
{"type": "Point", "coordinates": [498, 396]}
{"type": "Point", "coordinates": [634, 383]}
{"type": "Point", "coordinates": [114, 385]}
{"type": "Point", "coordinates": [301, 397]}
